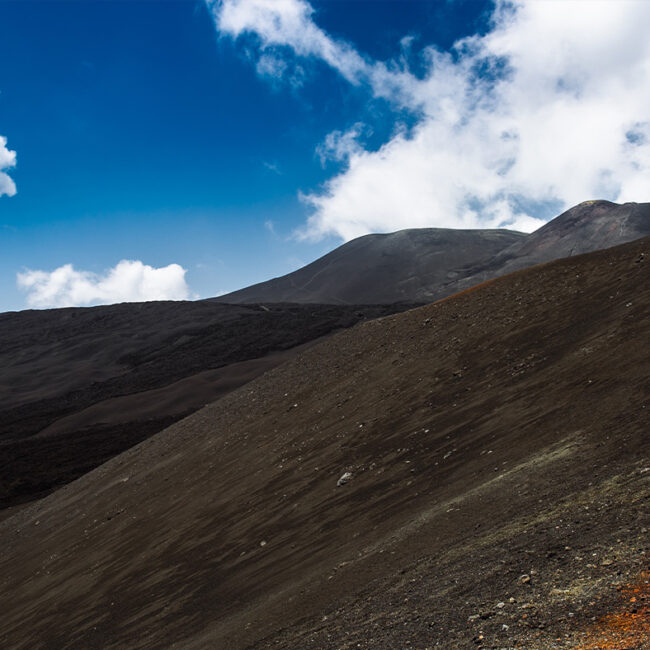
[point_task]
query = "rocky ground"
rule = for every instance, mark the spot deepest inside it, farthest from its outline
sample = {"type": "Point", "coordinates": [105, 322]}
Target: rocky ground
{"type": "Point", "coordinates": [495, 445]}
{"type": "Point", "coordinates": [80, 386]}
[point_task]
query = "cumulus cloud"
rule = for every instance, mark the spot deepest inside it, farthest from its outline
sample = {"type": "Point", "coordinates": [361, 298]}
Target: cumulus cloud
{"type": "Point", "coordinates": [128, 281]}
{"type": "Point", "coordinates": [549, 108]}
{"type": "Point", "coordinates": [7, 161]}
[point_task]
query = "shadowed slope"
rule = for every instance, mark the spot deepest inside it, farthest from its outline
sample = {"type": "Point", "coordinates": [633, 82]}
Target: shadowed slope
{"type": "Point", "coordinates": [81, 385]}
{"type": "Point", "coordinates": [495, 441]}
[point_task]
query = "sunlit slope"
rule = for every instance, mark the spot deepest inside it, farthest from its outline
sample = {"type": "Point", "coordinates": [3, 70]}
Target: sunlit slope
{"type": "Point", "coordinates": [587, 227]}
{"type": "Point", "coordinates": [496, 444]}
{"type": "Point", "coordinates": [408, 265]}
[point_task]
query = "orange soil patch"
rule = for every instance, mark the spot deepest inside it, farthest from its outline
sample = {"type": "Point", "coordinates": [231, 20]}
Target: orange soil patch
{"type": "Point", "coordinates": [627, 629]}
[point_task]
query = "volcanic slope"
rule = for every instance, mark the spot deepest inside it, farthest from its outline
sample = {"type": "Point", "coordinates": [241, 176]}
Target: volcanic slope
{"type": "Point", "coordinates": [426, 264]}
{"type": "Point", "coordinates": [589, 226]}
{"type": "Point", "coordinates": [79, 386]}
{"type": "Point", "coordinates": [498, 497]}
{"type": "Point", "coordinates": [408, 265]}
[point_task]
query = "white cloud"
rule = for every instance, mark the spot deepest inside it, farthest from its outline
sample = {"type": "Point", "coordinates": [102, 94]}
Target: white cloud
{"type": "Point", "coordinates": [272, 66]}
{"type": "Point", "coordinates": [128, 281]}
{"type": "Point", "coordinates": [285, 24]}
{"type": "Point", "coordinates": [340, 145]}
{"type": "Point", "coordinates": [7, 161]}
{"type": "Point", "coordinates": [550, 107]}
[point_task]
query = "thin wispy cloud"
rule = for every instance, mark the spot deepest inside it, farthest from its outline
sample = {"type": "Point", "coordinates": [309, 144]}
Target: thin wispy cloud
{"type": "Point", "coordinates": [128, 281]}
{"type": "Point", "coordinates": [550, 107]}
{"type": "Point", "coordinates": [272, 167]}
{"type": "Point", "coordinates": [7, 161]}
{"type": "Point", "coordinates": [285, 23]}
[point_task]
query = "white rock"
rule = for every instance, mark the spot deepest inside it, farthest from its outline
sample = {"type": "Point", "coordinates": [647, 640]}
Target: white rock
{"type": "Point", "coordinates": [345, 478]}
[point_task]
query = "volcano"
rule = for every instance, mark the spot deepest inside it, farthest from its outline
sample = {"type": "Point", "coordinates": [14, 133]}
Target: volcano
{"type": "Point", "coordinates": [471, 473]}
{"type": "Point", "coordinates": [427, 264]}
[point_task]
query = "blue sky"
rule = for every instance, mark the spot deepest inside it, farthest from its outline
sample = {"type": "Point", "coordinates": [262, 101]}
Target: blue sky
{"type": "Point", "coordinates": [238, 141]}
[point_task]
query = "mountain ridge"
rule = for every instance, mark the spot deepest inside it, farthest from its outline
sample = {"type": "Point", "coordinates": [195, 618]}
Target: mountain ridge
{"type": "Point", "coordinates": [431, 263]}
{"type": "Point", "coordinates": [381, 268]}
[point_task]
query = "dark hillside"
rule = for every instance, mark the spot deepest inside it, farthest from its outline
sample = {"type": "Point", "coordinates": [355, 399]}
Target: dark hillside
{"type": "Point", "coordinates": [408, 265]}
{"type": "Point", "coordinates": [79, 386]}
{"type": "Point", "coordinates": [427, 264]}
{"type": "Point", "coordinates": [496, 444]}
{"type": "Point", "coordinates": [589, 226]}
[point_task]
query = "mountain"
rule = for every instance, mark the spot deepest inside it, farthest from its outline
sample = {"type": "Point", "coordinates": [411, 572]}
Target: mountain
{"type": "Point", "coordinates": [472, 473]}
{"type": "Point", "coordinates": [426, 264]}
{"type": "Point", "coordinates": [408, 265]}
{"type": "Point", "coordinates": [79, 386]}
{"type": "Point", "coordinates": [589, 226]}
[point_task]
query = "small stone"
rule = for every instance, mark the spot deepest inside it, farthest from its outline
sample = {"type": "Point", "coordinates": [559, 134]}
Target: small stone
{"type": "Point", "coordinates": [501, 605]}
{"type": "Point", "coordinates": [263, 543]}
{"type": "Point", "coordinates": [346, 477]}
{"type": "Point", "coordinates": [524, 579]}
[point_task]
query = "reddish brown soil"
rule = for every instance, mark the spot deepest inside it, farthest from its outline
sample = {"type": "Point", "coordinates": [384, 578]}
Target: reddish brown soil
{"type": "Point", "coordinates": [628, 628]}
{"type": "Point", "coordinates": [498, 445]}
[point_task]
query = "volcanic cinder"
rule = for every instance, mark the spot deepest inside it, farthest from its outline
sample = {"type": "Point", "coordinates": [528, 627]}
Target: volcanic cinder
{"type": "Point", "coordinates": [497, 496]}
{"type": "Point", "coordinates": [79, 386]}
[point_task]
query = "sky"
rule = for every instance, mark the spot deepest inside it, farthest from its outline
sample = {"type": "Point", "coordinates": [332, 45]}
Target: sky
{"type": "Point", "coordinates": [184, 149]}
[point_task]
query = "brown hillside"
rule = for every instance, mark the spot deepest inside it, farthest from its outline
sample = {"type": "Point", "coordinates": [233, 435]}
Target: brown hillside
{"type": "Point", "coordinates": [498, 496]}
{"type": "Point", "coordinates": [79, 386]}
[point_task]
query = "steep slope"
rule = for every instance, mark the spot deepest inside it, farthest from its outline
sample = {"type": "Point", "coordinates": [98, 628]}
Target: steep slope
{"type": "Point", "coordinates": [427, 264]}
{"type": "Point", "coordinates": [79, 386]}
{"type": "Point", "coordinates": [496, 445]}
{"type": "Point", "coordinates": [589, 226]}
{"type": "Point", "coordinates": [408, 265]}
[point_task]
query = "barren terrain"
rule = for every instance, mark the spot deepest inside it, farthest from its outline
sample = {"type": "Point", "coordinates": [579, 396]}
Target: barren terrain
{"type": "Point", "coordinates": [427, 264]}
{"type": "Point", "coordinates": [79, 386]}
{"type": "Point", "coordinates": [495, 445]}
